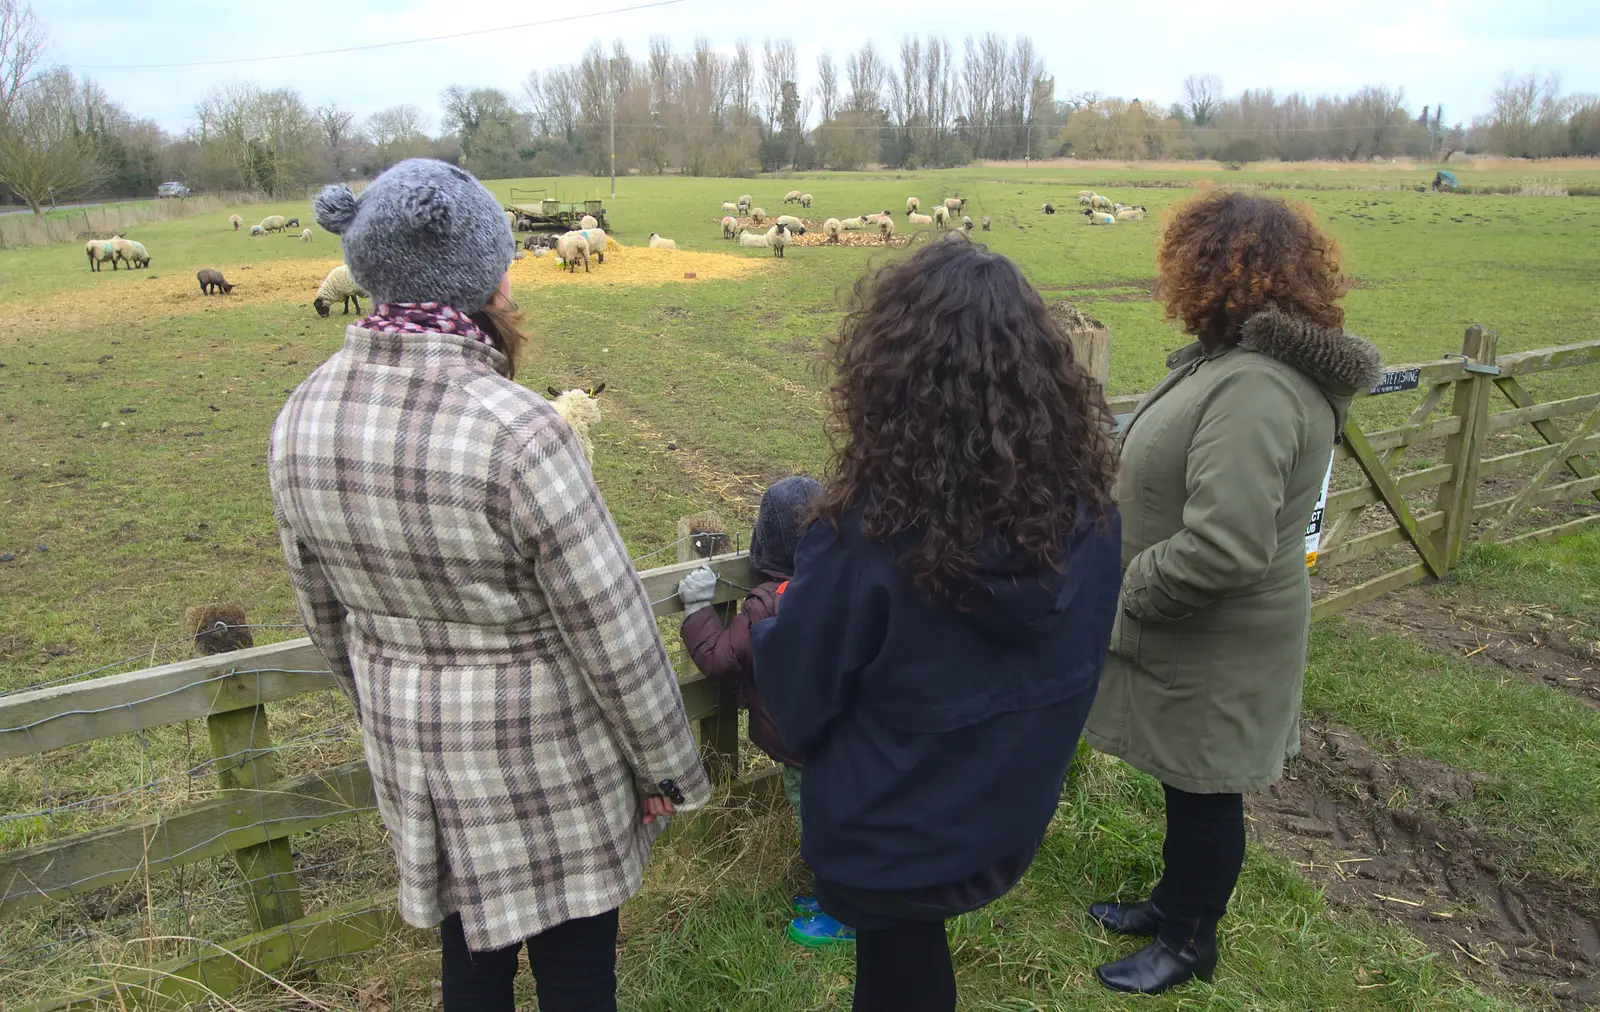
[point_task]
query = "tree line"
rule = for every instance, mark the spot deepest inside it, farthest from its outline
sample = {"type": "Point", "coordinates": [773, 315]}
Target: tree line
{"type": "Point", "coordinates": [928, 104]}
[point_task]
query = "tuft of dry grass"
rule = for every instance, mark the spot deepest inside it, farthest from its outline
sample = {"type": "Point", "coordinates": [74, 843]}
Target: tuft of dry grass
{"type": "Point", "coordinates": [636, 265]}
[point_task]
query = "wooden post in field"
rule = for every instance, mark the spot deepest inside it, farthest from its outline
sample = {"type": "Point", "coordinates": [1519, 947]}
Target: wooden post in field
{"type": "Point", "coordinates": [700, 536]}
{"type": "Point", "coordinates": [241, 743]}
{"type": "Point", "coordinates": [1091, 340]}
{"type": "Point", "coordinates": [1464, 450]}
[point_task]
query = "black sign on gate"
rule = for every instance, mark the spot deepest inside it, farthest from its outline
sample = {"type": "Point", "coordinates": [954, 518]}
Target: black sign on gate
{"type": "Point", "coordinates": [1396, 380]}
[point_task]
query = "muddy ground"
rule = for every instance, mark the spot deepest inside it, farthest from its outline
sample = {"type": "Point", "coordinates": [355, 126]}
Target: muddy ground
{"type": "Point", "coordinates": [1357, 821]}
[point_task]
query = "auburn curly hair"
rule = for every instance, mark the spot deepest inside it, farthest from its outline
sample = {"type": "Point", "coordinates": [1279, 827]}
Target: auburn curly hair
{"type": "Point", "coordinates": [960, 416]}
{"type": "Point", "coordinates": [1227, 256]}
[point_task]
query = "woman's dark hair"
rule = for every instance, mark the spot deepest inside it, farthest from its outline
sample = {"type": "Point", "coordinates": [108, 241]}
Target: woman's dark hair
{"type": "Point", "coordinates": [501, 319]}
{"type": "Point", "coordinates": [960, 414]}
{"type": "Point", "coordinates": [1227, 256]}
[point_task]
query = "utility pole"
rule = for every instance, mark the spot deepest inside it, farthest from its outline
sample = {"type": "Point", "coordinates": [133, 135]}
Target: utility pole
{"type": "Point", "coordinates": [612, 93]}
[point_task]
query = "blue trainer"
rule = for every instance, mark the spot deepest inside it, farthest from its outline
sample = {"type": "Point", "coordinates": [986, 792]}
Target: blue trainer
{"type": "Point", "coordinates": [807, 906]}
{"type": "Point", "coordinates": [819, 930]}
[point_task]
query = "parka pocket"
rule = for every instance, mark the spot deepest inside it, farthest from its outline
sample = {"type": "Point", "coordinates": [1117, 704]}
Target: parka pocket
{"type": "Point", "coordinates": [1148, 648]}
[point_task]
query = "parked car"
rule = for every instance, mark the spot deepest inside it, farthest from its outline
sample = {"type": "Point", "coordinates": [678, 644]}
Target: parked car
{"type": "Point", "coordinates": [173, 189]}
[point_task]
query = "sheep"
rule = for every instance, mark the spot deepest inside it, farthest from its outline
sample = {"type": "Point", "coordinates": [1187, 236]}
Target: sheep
{"type": "Point", "coordinates": [587, 221]}
{"type": "Point", "coordinates": [795, 225]}
{"type": "Point", "coordinates": [212, 280]}
{"type": "Point", "coordinates": [805, 200]}
{"type": "Point", "coordinates": [1099, 217]}
{"type": "Point", "coordinates": [580, 409]}
{"type": "Point", "coordinates": [941, 216]}
{"type": "Point", "coordinates": [914, 205]}
{"type": "Point", "coordinates": [129, 252]}
{"type": "Point", "coordinates": [830, 228]}
{"type": "Point", "coordinates": [886, 228]}
{"type": "Point", "coordinates": [1130, 214]}
{"type": "Point", "coordinates": [913, 218]}
{"type": "Point", "coordinates": [730, 226]}
{"type": "Point", "coordinates": [271, 223]}
{"type": "Point", "coordinates": [758, 214]}
{"type": "Point", "coordinates": [752, 239]}
{"type": "Point", "coordinates": [511, 220]}
{"type": "Point", "coordinates": [235, 221]}
{"type": "Point", "coordinates": [1100, 203]}
{"type": "Point", "coordinates": [572, 247]}
{"type": "Point", "coordinates": [792, 197]}
{"type": "Point", "coordinates": [729, 207]}
{"type": "Point", "coordinates": [256, 230]}
{"type": "Point", "coordinates": [305, 235]}
{"type": "Point", "coordinates": [338, 286]}
{"type": "Point", "coordinates": [778, 238]}
{"type": "Point", "coordinates": [985, 224]}
{"type": "Point", "coordinates": [854, 224]}
{"type": "Point", "coordinates": [954, 204]}
{"type": "Point", "coordinates": [292, 223]}
{"type": "Point", "coordinates": [877, 217]}
{"type": "Point", "coordinates": [1049, 209]}
{"type": "Point", "coordinates": [597, 242]}
{"type": "Point", "coordinates": [745, 201]}
{"type": "Point", "coordinates": [656, 242]}
{"type": "Point", "coordinates": [1085, 193]}
{"type": "Point", "coordinates": [1085, 198]}
{"type": "Point", "coordinates": [966, 224]}
{"type": "Point", "coordinates": [100, 252]}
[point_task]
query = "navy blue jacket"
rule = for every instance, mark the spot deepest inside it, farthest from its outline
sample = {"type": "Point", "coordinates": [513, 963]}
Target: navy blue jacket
{"type": "Point", "coordinates": [935, 739]}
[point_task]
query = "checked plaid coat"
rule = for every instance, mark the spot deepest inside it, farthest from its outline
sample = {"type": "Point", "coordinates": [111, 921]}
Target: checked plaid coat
{"type": "Point", "coordinates": [457, 568]}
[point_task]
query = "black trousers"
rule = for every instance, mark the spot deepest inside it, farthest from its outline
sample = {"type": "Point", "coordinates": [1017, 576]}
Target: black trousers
{"type": "Point", "coordinates": [1204, 852]}
{"type": "Point", "coordinates": [574, 965]}
{"type": "Point", "coordinates": [904, 969]}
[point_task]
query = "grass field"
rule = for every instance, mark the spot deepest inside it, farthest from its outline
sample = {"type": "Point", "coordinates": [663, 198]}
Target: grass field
{"type": "Point", "coordinates": [133, 422]}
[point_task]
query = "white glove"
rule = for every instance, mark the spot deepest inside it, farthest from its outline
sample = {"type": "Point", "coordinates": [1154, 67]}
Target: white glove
{"type": "Point", "coordinates": [697, 590]}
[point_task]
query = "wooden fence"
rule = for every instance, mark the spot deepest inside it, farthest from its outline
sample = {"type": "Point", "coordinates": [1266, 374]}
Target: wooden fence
{"type": "Point", "coordinates": [255, 816]}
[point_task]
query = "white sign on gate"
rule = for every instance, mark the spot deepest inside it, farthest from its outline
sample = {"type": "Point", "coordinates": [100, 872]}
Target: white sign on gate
{"type": "Point", "coordinates": [1314, 528]}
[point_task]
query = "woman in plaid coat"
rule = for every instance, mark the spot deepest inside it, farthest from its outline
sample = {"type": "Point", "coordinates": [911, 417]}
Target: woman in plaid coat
{"type": "Point", "coordinates": [456, 566]}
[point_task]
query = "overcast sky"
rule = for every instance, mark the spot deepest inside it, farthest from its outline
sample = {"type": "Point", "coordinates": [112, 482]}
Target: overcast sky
{"type": "Point", "coordinates": [1440, 51]}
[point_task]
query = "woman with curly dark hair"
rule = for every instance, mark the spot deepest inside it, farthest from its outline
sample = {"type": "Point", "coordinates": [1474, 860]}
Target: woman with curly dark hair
{"type": "Point", "coordinates": [1222, 466]}
{"type": "Point", "coordinates": [940, 642]}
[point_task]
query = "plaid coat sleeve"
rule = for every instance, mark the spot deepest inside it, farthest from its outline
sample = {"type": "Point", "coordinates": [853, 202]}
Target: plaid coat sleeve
{"type": "Point", "coordinates": [562, 525]}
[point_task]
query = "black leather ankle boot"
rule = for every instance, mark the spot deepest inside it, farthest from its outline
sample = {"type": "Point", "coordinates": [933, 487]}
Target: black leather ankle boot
{"type": "Point", "coordinates": [1158, 966]}
{"type": "Point", "coordinates": [1140, 918]}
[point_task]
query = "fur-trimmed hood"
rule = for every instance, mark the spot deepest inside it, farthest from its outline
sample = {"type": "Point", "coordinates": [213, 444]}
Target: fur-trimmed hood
{"type": "Point", "coordinates": [1339, 362]}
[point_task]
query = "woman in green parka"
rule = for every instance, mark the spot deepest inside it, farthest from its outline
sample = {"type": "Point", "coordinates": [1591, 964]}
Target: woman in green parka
{"type": "Point", "coordinates": [1222, 466]}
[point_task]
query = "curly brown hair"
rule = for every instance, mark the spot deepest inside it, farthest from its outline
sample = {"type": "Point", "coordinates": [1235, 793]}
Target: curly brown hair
{"type": "Point", "coordinates": [960, 416]}
{"type": "Point", "coordinates": [1227, 256]}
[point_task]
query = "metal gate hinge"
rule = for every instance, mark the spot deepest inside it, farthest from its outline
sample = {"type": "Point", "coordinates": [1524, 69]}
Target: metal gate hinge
{"type": "Point", "coordinates": [1470, 366]}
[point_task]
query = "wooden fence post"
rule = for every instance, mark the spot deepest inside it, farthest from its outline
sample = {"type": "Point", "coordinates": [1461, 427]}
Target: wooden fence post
{"type": "Point", "coordinates": [700, 536]}
{"type": "Point", "coordinates": [241, 743]}
{"type": "Point", "coordinates": [1090, 339]}
{"type": "Point", "coordinates": [1464, 450]}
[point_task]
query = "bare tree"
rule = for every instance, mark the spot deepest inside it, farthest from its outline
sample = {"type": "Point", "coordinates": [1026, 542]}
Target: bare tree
{"type": "Point", "coordinates": [827, 92]}
{"type": "Point", "coordinates": [779, 64]}
{"type": "Point", "coordinates": [44, 156]}
{"type": "Point", "coordinates": [865, 71]}
{"type": "Point", "coordinates": [334, 126]}
{"type": "Point", "coordinates": [1202, 95]}
{"type": "Point", "coordinates": [21, 48]}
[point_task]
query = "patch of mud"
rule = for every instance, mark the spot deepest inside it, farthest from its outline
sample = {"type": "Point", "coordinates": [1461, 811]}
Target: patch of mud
{"type": "Point", "coordinates": [1529, 641]}
{"type": "Point", "coordinates": [1357, 822]}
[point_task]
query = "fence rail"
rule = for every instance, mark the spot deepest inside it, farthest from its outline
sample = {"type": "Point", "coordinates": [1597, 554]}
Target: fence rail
{"type": "Point", "coordinates": [1432, 510]}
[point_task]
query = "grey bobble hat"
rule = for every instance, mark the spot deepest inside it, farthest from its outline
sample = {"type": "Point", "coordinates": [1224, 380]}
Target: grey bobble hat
{"type": "Point", "coordinates": [424, 231]}
{"type": "Point", "coordinates": [781, 520]}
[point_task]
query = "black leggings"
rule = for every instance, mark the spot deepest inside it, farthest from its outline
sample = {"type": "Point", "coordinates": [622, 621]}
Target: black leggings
{"type": "Point", "coordinates": [574, 965]}
{"type": "Point", "coordinates": [904, 969]}
{"type": "Point", "coordinates": [1204, 851]}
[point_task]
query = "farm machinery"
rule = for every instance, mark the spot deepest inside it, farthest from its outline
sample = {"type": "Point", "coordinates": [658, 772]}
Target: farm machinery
{"type": "Point", "coordinates": [536, 212]}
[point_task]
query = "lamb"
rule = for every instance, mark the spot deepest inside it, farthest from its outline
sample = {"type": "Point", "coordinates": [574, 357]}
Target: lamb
{"type": "Point", "coordinates": [966, 224]}
{"type": "Point", "coordinates": [730, 226]}
{"type": "Point", "coordinates": [886, 228]}
{"type": "Point", "coordinates": [792, 197]}
{"type": "Point", "coordinates": [338, 286]}
{"type": "Point", "coordinates": [941, 216]}
{"type": "Point", "coordinates": [305, 235]}
{"type": "Point", "coordinates": [778, 238]}
{"type": "Point", "coordinates": [100, 252]}
{"type": "Point", "coordinates": [854, 224]}
{"type": "Point", "coordinates": [954, 204]}
{"type": "Point", "coordinates": [256, 230]}
{"type": "Point", "coordinates": [830, 228]}
{"type": "Point", "coordinates": [805, 200]}
{"type": "Point", "coordinates": [919, 219]}
{"type": "Point", "coordinates": [729, 207]}
{"type": "Point", "coordinates": [744, 201]}
{"type": "Point", "coordinates": [1099, 217]}
{"type": "Point", "coordinates": [913, 205]}
{"type": "Point", "coordinates": [580, 409]}
{"type": "Point", "coordinates": [1130, 214]}
{"type": "Point", "coordinates": [1085, 198]}
{"type": "Point", "coordinates": [656, 242]}
{"type": "Point", "coordinates": [985, 223]}
{"type": "Point", "coordinates": [129, 252]}
{"type": "Point", "coordinates": [212, 280]}
{"type": "Point", "coordinates": [271, 223]}
{"type": "Point", "coordinates": [758, 214]}
{"type": "Point", "coordinates": [235, 221]}
{"type": "Point", "coordinates": [587, 221]}
{"type": "Point", "coordinates": [292, 223]}
{"type": "Point", "coordinates": [572, 247]}
{"type": "Point", "coordinates": [1049, 209]}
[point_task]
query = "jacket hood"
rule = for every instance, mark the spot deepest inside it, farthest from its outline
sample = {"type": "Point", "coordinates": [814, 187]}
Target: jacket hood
{"type": "Point", "coordinates": [1016, 600]}
{"type": "Point", "coordinates": [1339, 362]}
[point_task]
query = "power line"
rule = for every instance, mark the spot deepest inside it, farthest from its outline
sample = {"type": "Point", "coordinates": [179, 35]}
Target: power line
{"type": "Point", "coordinates": [381, 45]}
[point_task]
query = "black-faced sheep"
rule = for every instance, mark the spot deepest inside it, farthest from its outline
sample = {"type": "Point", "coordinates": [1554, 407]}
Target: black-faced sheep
{"type": "Point", "coordinates": [657, 242]}
{"type": "Point", "coordinates": [212, 280]}
{"type": "Point", "coordinates": [292, 223]}
{"type": "Point", "coordinates": [572, 247]}
{"type": "Point", "coordinates": [581, 411]}
{"type": "Point", "coordinates": [235, 221]}
{"type": "Point", "coordinates": [336, 287]}
{"type": "Point", "coordinates": [100, 252]}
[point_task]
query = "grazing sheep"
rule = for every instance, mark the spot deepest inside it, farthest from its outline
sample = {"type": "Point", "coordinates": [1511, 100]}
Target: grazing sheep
{"type": "Point", "coordinates": [778, 238]}
{"type": "Point", "coordinates": [212, 280]}
{"type": "Point", "coordinates": [854, 224]}
{"type": "Point", "coordinates": [730, 226]}
{"type": "Point", "coordinates": [272, 223]}
{"type": "Point", "coordinates": [572, 247]}
{"type": "Point", "coordinates": [796, 226]}
{"type": "Point", "coordinates": [597, 242]}
{"type": "Point", "coordinates": [985, 224]}
{"type": "Point", "coordinates": [913, 205]}
{"type": "Point", "coordinates": [792, 197]}
{"type": "Point", "coordinates": [1049, 209]}
{"type": "Point", "coordinates": [580, 409]}
{"type": "Point", "coordinates": [1099, 217]}
{"type": "Point", "coordinates": [954, 204]}
{"type": "Point", "coordinates": [100, 252]}
{"type": "Point", "coordinates": [914, 218]}
{"type": "Point", "coordinates": [235, 221]}
{"type": "Point", "coordinates": [336, 287]}
{"type": "Point", "coordinates": [1085, 198]}
{"type": "Point", "coordinates": [805, 200]}
{"type": "Point", "coordinates": [941, 216]}
{"type": "Point", "coordinates": [830, 228]}
{"type": "Point", "coordinates": [292, 223]}
{"type": "Point", "coordinates": [305, 235]}
{"type": "Point", "coordinates": [1100, 203]}
{"type": "Point", "coordinates": [656, 242]}
{"type": "Point", "coordinates": [886, 228]}
{"type": "Point", "coordinates": [129, 252]}
{"type": "Point", "coordinates": [758, 214]}
{"type": "Point", "coordinates": [256, 230]}
{"type": "Point", "coordinates": [730, 207]}
{"type": "Point", "coordinates": [744, 201]}
{"type": "Point", "coordinates": [587, 221]}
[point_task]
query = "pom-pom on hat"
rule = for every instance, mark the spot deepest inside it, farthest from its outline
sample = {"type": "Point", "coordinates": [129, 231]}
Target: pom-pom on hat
{"type": "Point", "coordinates": [424, 231]}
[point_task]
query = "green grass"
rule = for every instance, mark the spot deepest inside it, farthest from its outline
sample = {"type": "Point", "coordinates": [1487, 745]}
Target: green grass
{"type": "Point", "coordinates": [1562, 577]}
{"type": "Point", "coordinates": [713, 389]}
